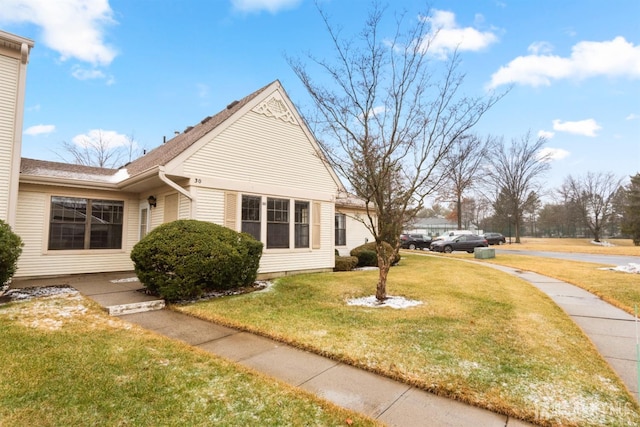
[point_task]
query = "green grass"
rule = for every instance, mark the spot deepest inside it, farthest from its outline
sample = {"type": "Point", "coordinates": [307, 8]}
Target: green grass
{"type": "Point", "coordinates": [480, 336]}
{"type": "Point", "coordinates": [66, 363]}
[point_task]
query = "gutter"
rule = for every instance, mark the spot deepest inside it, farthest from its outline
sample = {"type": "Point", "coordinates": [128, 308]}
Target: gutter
{"type": "Point", "coordinates": [170, 183]}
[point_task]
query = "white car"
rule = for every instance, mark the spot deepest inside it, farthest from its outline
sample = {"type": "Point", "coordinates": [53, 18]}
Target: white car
{"type": "Point", "coordinates": [449, 235]}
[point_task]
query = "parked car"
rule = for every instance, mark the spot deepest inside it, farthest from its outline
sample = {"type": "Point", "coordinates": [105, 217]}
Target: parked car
{"type": "Point", "coordinates": [465, 242]}
{"type": "Point", "coordinates": [449, 235]}
{"type": "Point", "coordinates": [495, 238]}
{"type": "Point", "coordinates": [414, 241]}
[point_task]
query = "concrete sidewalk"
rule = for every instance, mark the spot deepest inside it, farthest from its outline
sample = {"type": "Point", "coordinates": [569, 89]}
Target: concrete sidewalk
{"type": "Point", "coordinates": [391, 402]}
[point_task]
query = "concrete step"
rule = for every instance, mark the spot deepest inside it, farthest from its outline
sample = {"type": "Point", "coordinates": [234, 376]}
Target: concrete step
{"type": "Point", "coordinates": [136, 307]}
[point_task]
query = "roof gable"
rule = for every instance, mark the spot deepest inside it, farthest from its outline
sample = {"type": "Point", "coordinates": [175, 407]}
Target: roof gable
{"type": "Point", "coordinates": [270, 101]}
{"type": "Point", "coordinates": [168, 151]}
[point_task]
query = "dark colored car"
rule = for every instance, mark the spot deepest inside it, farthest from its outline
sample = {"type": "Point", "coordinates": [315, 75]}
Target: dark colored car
{"type": "Point", "coordinates": [414, 241]}
{"type": "Point", "coordinates": [465, 242]}
{"type": "Point", "coordinates": [495, 238]}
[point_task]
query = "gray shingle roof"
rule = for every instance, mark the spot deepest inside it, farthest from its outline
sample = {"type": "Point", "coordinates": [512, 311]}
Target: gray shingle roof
{"type": "Point", "coordinates": [66, 170]}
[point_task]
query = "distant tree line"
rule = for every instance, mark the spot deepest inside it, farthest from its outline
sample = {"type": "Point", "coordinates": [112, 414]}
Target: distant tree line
{"type": "Point", "coordinates": [497, 187]}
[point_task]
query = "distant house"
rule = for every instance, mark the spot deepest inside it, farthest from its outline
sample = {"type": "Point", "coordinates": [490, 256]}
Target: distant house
{"type": "Point", "coordinates": [253, 167]}
{"type": "Point", "coordinates": [436, 226]}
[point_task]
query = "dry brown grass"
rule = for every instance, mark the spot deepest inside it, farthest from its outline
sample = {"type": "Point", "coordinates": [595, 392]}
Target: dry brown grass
{"type": "Point", "coordinates": [620, 246]}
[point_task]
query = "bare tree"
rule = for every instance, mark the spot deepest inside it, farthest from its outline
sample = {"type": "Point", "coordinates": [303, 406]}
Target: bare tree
{"type": "Point", "coordinates": [101, 149]}
{"type": "Point", "coordinates": [593, 194]}
{"type": "Point", "coordinates": [387, 120]}
{"type": "Point", "coordinates": [513, 173]}
{"type": "Point", "coordinates": [631, 216]}
{"type": "Point", "coordinates": [460, 168]}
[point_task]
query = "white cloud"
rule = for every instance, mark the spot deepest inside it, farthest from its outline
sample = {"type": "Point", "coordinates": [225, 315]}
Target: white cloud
{"type": "Point", "coordinates": [632, 116]}
{"type": "Point", "coordinates": [107, 139]}
{"type": "Point", "coordinates": [40, 130]}
{"type": "Point", "coordinates": [546, 134]}
{"type": "Point", "coordinates": [551, 154]}
{"type": "Point", "coordinates": [587, 127]}
{"type": "Point", "coordinates": [540, 47]}
{"type": "Point", "coordinates": [271, 6]}
{"type": "Point", "coordinates": [614, 58]}
{"type": "Point", "coordinates": [203, 90]}
{"type": "Point", "coordinates": [74, 28]}
{"type": "Point", "coordinates": [446, 35]}
{"type": "Point", "coordinates": [87, 74]}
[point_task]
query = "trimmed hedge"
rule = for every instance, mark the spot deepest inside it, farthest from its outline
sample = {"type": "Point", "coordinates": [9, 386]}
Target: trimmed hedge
{"type": "Point", "coordinates": [10, 250]}
{"type": "Point", "coordinates": [367, 256]}
{"type": "Point", "coordinates": [184, 259]}
{"type": "Point", "coordinates": [345, 263]}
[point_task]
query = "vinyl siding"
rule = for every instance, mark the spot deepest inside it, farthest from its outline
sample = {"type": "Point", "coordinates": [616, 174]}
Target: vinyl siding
{"type": "Point", "coordinates": [210, 206]}
{"type": "Point", "coordinates": [277, 261]}
{"type": "Point", "coordinates": [357, 233]}
{"type": "Point", "coordinates": [264, 150]}
{"type": "Point", "coordinates": [9, 72]}
{"type": "Point", "coordinates": [32, 227]}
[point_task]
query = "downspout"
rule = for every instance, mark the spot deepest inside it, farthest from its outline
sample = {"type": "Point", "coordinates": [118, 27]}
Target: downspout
{"type": "Point", "coordinates": [170, 183]}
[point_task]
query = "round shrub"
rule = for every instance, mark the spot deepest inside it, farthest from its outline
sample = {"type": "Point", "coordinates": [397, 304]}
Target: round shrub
{"type": "Point", "coordinates": [367, 256]}
{"type": "Point", "coordinates": [186, 258]}
{"type": "Point", "coordinates": [10, 250]}
{"type": "Point", "coordinates": [345, 263]}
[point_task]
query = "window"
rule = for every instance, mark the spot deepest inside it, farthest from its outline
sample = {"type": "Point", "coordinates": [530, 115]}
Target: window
{"type": "Point", "coordinates": [277, 223]}
{"type": "Point", "coordinates": [301, 235]}
{"type": "Point", "coordinates": [251, 215]}
{"type": "Point", "coordinates": [85, 223]}
{"type": "Point", "coordinates": [144, 222]}
{"type": "Point", "coordinates": [341, 230]}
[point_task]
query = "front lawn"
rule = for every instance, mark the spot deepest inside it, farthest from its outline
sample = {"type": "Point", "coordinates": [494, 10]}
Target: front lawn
{"type": "Point", "coordinates": [480, 336]}
{"type": "Point", "coordinates": [65, 362]}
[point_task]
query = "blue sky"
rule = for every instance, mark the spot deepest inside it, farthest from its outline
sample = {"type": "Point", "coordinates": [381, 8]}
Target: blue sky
{"type": "Point", "coordinates": [147, 68]}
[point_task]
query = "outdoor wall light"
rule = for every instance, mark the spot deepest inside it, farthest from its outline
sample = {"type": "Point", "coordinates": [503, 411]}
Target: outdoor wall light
{"type": "Point", "coordinates": [152, 201]}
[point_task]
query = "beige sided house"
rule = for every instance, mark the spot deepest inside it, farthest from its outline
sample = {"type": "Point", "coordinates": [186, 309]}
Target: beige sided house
{"type": "Point", "coordinates": [253, 167]}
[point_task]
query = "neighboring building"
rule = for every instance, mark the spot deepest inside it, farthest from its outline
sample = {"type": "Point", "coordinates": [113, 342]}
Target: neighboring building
{"type": "Point", "coordinates": [436, 226]}
{"type": "Point", "coordinates": [350, 229]}
{"type": "Point", "coordinates": [253, 167]}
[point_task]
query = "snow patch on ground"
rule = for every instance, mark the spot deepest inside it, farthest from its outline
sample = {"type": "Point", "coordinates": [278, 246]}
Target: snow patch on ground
{"type": "Point", "coordinates": [365, 268]}
{"type": "Point", "coordinates": [392, 302]}
{"type": "Point", "coordinates": [55, 309]}
{"type": "Point", "coordinates": [25, 294]}
{"type": "Point", "coordinates": [603, 243]}
{"type": "Point", "coordinates": [125, 280]}
{"type": "Point", "coordinates": [632, 267]}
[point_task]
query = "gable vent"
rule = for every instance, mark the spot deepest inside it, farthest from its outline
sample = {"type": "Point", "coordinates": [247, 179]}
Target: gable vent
{"type": "Point", "coordinates": [233, 104]}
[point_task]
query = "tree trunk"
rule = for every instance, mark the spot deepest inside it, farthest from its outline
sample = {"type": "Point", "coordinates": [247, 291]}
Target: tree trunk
{"type": "Point", "coordinates": [459, 208]}
{"type": "Point", "coordinates": [384, 264]}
